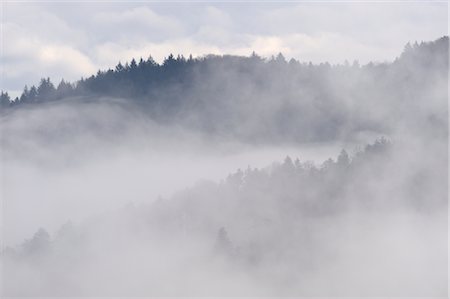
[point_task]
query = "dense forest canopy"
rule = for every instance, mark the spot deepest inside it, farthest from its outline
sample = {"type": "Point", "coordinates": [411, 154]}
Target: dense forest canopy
{"type": "Point", "coordinates": [251, 98]}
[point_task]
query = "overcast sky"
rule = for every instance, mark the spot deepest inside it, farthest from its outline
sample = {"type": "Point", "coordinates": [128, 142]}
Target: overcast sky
{"type": "Point", "coordinates": [71, 40]}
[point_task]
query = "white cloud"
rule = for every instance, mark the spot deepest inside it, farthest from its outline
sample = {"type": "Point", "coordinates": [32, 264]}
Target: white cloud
{"type": "Point", "coordinates": [66, 58]}
{"type": "Point", "coordinates": [25, 54]}
{"type": "Point", "coordinates": [71, 40]}
{"type": "Point", "coordinates": [136, 24]}
{"type": "Point", "coordinates": [217, 17]}
{"type": "Point", "coordinates": [331, 47]}
{"type": "Point", "coordinates": [319, 48]}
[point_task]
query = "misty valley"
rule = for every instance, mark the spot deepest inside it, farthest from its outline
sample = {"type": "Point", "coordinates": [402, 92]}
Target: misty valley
{"type": "Point", "coordinates": [226, 175]}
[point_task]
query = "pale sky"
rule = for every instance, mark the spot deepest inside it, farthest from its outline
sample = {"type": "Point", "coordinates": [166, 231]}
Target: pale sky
{"type": "Point", "coordinates": [70, 40]}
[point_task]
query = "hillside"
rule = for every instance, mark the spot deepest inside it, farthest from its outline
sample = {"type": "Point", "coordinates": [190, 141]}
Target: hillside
{"type": "Point", "coordinates": [256, 100]}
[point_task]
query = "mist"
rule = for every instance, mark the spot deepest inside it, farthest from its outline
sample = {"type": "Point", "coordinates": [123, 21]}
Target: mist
{"type": "Point", "coordinates": [231, 176]}
{"type": "Point", "coordinates": [71, 168]}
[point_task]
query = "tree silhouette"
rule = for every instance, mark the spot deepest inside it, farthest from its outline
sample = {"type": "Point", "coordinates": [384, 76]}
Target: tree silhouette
{"type": "Point", "coordinates": [46, 90]}
{"type": "Point", "coordinates": [343, 159]}
{"type": "Point", "coordinates": [5, 100]}
{"type": "Point", "coordinates": [39, 244]}
{"type": "Point", "coordinates": [64, 89]}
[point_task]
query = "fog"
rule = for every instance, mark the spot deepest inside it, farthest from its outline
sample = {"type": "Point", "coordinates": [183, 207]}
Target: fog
{"type": "Point", "coordinates": [68, 170]}
{"type": "Point", "coordinates": [240, 181]}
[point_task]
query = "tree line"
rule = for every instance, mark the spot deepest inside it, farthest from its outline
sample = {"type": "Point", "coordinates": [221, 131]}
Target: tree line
{"type": "Point", "coordinates": [139, 78]}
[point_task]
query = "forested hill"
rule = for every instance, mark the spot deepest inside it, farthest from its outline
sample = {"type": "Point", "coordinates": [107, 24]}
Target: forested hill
{"type": "Point", "coordinates": [280, 223]}
{"type": "Point", "coordinates": [251, 97]}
